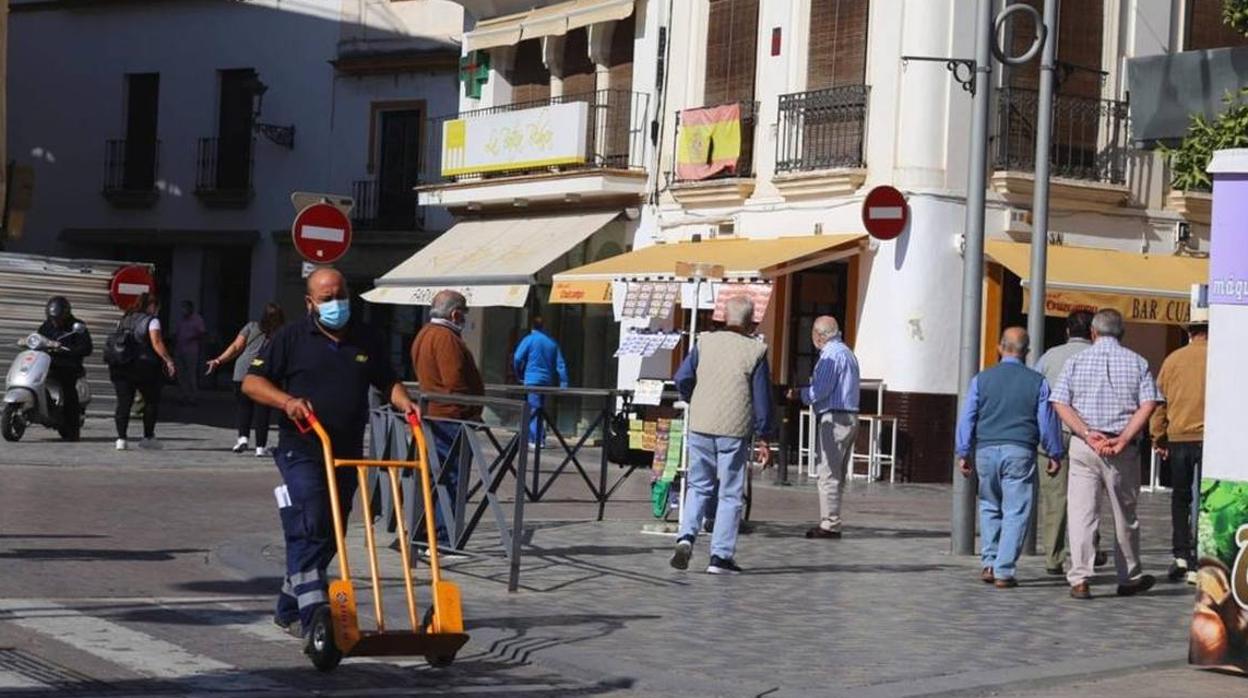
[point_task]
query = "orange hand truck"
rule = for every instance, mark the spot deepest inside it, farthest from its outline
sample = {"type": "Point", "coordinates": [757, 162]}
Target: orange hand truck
{"type": "Point", "coordinates": [335, 631]}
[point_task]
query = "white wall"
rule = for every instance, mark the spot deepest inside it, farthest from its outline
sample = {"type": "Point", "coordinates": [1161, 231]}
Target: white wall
{"type": "Point", "coordinates": [67, 96]}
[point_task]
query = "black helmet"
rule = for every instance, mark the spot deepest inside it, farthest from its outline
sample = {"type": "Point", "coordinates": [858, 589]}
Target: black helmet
{"type": "Point", "coordinates": [58, 309]}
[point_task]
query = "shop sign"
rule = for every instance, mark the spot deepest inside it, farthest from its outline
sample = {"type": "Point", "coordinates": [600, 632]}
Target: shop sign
{"type": "Point", "coordinates": [545, 136]}
{"type": "Point", "coordinates": [1153, 310]}
{"type": "Point", "coordinates": [581, 292]}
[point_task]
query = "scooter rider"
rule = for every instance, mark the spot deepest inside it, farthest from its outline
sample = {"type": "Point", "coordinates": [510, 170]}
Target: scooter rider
{"type": "Point", "coordinates": [323, 364]}
{"type": "Point", "coordinates": [67, 363]}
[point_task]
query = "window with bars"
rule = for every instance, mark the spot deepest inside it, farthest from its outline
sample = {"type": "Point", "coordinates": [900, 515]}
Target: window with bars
{"type": "Point", "coordinates": [1204, 28]}
{"type": "Point", "coordinates": [731, 51]}
{"type": "Point", "coordinates": [837, 53]}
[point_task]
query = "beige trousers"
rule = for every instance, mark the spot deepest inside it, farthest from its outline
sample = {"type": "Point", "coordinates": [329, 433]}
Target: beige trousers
{"type": "Point", "coordinates": [836, 434]}
{"type": "Point", "coordinates": [1120, 476]}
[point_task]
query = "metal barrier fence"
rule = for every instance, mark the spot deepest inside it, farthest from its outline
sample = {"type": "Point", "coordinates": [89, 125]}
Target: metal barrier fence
{"type": "Point", "coordinates": [481, 456]}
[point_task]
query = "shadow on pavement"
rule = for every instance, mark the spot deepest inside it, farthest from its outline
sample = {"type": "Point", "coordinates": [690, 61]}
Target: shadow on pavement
{"type": "Point", "coordinates": [92, 554]}
{"type": "Point", "coordinates": [244, 587]}
{"type": "Point", "coordinates": [52, 535]}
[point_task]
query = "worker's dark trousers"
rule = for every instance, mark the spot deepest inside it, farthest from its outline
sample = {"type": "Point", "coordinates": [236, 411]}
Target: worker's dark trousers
{"type": "Point", "coordinates": [308, 527]}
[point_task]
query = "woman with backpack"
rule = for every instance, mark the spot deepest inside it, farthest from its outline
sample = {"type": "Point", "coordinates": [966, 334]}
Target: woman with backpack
{"type": "Point", "coordinates": [246, 346]}
{"type": "Point", "coordinates": [136, 357]}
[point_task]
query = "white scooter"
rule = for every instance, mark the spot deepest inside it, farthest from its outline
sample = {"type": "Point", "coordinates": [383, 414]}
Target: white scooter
{"type": "Point", "coordinates": [32, 396]}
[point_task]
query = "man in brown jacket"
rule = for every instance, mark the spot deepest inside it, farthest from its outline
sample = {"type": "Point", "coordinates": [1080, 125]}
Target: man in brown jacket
{"type": "Point", "coordinates": [1178, 431]}
{"type": "Point", "coordinates": [444, 366]}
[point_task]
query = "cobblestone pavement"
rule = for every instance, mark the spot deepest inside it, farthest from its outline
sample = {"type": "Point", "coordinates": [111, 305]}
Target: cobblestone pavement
{"type": "Point", "coordinates": [884, 612]}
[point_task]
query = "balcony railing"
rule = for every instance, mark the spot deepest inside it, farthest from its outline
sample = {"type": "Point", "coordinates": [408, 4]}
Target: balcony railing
{"type": "Point", "coordinates": [378, 209]}
{"type": "Point", "coordinates": [745, 161]}
{"type": "Point", "coordinates": [224, 171]}
{"type": "Point", "coordinates": [822, 129]}
{"type": "Point", "coordinates": [1089, 136]}
{"type": "Point", "coordinates": [130, 171]}
{"type": "Point", "coordinates": [615, 135]}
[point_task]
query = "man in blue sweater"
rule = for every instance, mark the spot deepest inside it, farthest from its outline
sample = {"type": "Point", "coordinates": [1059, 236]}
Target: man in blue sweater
{"type": "Point", "coordinates": [1005, 416]}
{"type": "Point", "coordinates": [539, 361]}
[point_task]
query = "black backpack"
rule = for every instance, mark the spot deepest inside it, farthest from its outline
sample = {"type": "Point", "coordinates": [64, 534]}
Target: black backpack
{"type": "Point", "coordinates": [121, 347]}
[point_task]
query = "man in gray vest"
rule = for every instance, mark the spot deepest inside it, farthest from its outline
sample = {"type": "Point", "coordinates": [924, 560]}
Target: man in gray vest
{"type": "Point", "coordinates": [727, 383]}
{"type": "Point", "coordinates": [1005, 416]}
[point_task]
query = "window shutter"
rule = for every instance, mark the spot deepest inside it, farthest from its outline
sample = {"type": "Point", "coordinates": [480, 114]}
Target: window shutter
{"type": "Point", "coordinates": [838, 43]}
{"type": "Point", "coordinates": [1205, 28]}
{"type": "Point", "coordinates": [1079, 42]}
{"type": "Point", "coordinates": [620, 100]}
{"type": "Point", "coordinates": [530, 80]}
{"type": "Point", "coordinates": [578, 70]}
{"type": "Point", "coordinates": [621, 58]}
{"type": "Point", "coordinates": [731, 51]}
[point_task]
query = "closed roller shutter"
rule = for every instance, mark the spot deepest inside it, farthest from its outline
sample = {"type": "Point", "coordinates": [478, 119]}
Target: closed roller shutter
{"type": "Point", "coordinates": [530, 80]}
{"type": "Point", "coordinates": [731, 51]}
{"type": "Point", "coordinates": [838, 43]}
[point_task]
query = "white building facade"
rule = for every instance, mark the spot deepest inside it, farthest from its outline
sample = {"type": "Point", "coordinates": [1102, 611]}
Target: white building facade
{"type": "Point", "coordinates": [175, 133]}
{"type": "Point", "coordinates": [826, 100]}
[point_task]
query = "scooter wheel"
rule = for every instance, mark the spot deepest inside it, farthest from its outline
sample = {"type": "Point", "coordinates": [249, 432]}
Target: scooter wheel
{"type": "Point", "coordinates": [12, 425]}
{"type": "Point", "coordinates": [320, 645]}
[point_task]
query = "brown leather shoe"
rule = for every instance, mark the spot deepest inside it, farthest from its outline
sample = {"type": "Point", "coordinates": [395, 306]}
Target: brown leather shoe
{"type": "Point", "coordinates": [1139, 586]}
{"type": "Point", "coordinates": [821, 532]}
{"type": "Point", "coordinates": [986, 576]}
{"type": "Point", "coordinates": [1007, 583]}
{"type": "Point", "coordinates": [1080, 591]}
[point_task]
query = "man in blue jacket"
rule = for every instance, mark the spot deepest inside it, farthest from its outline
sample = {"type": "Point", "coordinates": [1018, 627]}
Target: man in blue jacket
{"type": "Point", "coordinates": [539, 361]}
{"type": "Point", "coordinates": [1005, 416]}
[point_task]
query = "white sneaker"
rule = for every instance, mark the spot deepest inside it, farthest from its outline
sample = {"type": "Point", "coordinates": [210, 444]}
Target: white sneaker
{"type": "Point", "coordinates": [264, 451]}
{"type": "Point", "coordinates": [152, 444]}
{"type": "Point", "coordinates": [121, 444]}
{"type": "Point", "coordinates": [240, 445]}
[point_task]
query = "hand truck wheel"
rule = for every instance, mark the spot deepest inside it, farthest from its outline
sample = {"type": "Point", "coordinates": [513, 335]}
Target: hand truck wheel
{"type": "Point", "coordinates": [320, 645]}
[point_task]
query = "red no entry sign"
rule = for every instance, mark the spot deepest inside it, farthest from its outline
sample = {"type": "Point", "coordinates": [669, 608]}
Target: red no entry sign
{"type": "Point", "coordinates": [128, 284]}
{"type": "Point", "coordinates": [885, 213]}
{"type": "Point", "coordinates": [321, 233]}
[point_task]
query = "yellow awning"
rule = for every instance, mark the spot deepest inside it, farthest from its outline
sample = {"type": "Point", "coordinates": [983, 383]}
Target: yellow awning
{"type": "Point", "coordinates": [1143, 287]}
{"type": "Point", "coordinates": [552, 20]}
{"type": "Point", "coordinates": [740, 258]}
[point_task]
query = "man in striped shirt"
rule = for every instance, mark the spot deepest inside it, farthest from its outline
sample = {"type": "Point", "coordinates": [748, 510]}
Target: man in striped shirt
{"type": "Point", "coordinates": [833, 393]}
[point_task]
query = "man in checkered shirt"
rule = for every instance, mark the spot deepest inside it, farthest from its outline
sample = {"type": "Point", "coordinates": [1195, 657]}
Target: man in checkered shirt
{"type": "Point", "coordinates": [1105, 396]}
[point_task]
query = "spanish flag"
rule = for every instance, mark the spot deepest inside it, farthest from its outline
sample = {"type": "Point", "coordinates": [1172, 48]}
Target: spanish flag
{"type": "Point", "coordinates": [709, 141]}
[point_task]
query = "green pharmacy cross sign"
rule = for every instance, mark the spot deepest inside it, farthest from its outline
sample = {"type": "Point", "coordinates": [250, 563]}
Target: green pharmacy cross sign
{"type": "Point", "coordinates": [474, 71]}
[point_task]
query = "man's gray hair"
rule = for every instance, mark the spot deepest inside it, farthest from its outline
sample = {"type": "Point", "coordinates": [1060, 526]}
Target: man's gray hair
{"type": "Point", "coordinates": [1108, 323]}
{"type": "Point", "coordinates": [738, 311]}
{"type": "Point", "coordinates": [447, 302]}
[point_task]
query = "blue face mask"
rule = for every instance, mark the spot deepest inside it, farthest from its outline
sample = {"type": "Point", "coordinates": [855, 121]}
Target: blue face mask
{"type": "Point", "coordinates": [334, 314]}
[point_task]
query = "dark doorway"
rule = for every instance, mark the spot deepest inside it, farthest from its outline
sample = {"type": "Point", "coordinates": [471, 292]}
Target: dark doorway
{"type": "Point", "coordinates": [142, 107]}
{"type": "Point", "coordinates": [399, 171]}
{"type": "Point", "coordinates": [234, 128]}
{"type": "Point", "coordinates": [819, 291]}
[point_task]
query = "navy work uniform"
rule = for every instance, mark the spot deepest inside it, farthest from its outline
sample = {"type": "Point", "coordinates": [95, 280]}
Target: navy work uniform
{"type": "Point", "coordinates": [334, 377]}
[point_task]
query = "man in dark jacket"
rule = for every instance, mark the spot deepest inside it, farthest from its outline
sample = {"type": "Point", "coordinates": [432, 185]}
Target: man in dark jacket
{"type": "Point", "coordinates": [67, 363]}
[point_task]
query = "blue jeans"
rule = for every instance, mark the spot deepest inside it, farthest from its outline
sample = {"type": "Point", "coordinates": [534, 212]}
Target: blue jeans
{"type": "Point", "coordinates": [444, 434]}
{"type": "Point", "coordinates": [1007, 478]}
{"type": "Point", "coordinates": [537, 428]}
{"type": "Point", "coordinates": [715, 459]}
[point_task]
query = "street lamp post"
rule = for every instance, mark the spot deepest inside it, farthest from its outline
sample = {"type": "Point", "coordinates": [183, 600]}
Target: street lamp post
{"type": "Point", "coordinates": [962, 525]}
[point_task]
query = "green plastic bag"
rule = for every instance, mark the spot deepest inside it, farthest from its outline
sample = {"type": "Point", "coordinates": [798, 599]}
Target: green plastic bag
{"type": "Point", "coordinates": [659, 493]}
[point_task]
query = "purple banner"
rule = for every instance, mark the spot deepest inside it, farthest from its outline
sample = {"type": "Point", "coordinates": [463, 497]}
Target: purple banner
{"type": "Point", "coordinates": [1228, 267]}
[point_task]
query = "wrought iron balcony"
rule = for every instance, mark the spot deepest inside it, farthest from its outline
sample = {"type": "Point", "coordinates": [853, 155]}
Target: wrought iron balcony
{"type": "Point", "coordinates": [615, 135]}
{"type": "Point", "coordinates": [224, 172]}
{"type": "Point", "coordinates": [130, 171]}
{"type": "Point", "coordinates": [1089, 136]}
{"type": "Point", "coordinates": [822, 129]}
{"type": "Point", "coordinates": [377, 208]}
{"type": "Point", "coordinates": [745, 160]}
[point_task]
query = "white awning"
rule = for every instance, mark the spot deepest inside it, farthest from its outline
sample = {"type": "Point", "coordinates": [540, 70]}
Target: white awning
{"type": "Point", "coordinates": [492, 262]}
{"type": "Point", "coordinates": [552, 20]}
